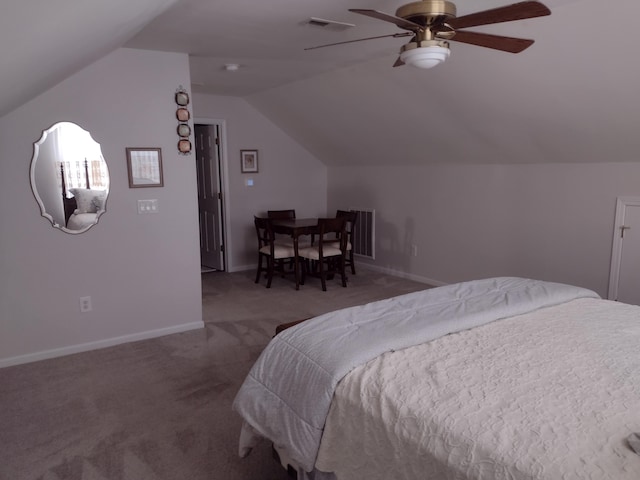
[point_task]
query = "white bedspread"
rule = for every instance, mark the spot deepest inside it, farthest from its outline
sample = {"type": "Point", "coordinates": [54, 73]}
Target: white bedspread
{"type": "Point", "coordinates": [549, 395]}
{"type": "Point", "coordinates": [287, 395]}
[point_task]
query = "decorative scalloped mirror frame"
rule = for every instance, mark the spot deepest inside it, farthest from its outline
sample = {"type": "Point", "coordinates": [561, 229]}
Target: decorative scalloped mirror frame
{"type": "Point", "coordinates": [45, 173]}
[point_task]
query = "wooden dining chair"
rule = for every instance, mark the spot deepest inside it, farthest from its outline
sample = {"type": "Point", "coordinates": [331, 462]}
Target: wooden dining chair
{"type": "Point", "coordinates": [328, 254]}
{"type": "Point", "coordinates": [352, 217]}
{"type": "Point", "coordinates": [283, 215]}
{"type": "Point", "coordinates": [274, 253]}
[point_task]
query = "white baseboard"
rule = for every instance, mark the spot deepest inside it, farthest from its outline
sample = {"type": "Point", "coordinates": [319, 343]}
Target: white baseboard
{"type": "Point", "coordinates": [398, 273]}
{"type": "Point", "coordinates": [109, 342]}
{"type": "Point", "coordinates": [242, 268]}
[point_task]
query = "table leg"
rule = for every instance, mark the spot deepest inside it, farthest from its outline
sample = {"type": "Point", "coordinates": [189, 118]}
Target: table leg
{"type": "Point", "coordinates": [296, 266]}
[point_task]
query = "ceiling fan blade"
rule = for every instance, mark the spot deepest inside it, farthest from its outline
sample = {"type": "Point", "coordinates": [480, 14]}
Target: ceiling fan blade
{"type": "Point", "coordinates": [497, 42]}
{"type": "Point", "coordinates": [394, 35]}
{"type": "Point", "coordinates": [509, 13]}
{"type": "Point", "coordinates": [400, 22]}
{"type": "Point", "coordinates": [398, 62]}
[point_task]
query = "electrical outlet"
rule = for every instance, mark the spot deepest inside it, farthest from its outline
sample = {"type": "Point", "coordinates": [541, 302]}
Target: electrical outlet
{"type": "Point", "coordinates": [85, 304]}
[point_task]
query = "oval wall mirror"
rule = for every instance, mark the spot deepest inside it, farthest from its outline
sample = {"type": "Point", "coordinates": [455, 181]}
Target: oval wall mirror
{"type": "Point", "coordinates": [69, 177]}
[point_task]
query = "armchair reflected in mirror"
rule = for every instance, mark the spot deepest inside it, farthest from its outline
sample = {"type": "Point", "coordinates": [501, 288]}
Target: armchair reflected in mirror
{"type": "Point", "coordinates": [69, 177]}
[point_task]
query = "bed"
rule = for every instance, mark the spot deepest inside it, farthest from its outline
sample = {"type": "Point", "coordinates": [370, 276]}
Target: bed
{"type": "Point", "coordinates": [85, 205]}
{"type": "Point", "coordinates": [502, 378]}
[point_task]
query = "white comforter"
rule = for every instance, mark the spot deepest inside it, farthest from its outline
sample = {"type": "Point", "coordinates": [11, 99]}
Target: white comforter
{"type": "Point", "coordinates": [287, 395]}
{"type": "Point", "coordinates": [549, 395]}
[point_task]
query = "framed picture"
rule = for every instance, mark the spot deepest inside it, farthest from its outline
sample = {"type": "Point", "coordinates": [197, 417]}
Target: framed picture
{"type": "Point", "coordinates": [144, 166]}
{"type": "Point", "coordinates": [249, 161]}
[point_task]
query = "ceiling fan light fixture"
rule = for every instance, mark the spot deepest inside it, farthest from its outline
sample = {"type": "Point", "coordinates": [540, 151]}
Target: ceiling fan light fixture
{"type": "Point", "coordinates": [426, 54]}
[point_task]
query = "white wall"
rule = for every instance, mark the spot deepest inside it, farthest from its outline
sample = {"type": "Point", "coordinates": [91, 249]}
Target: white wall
{"type": "Point", "coordinates": [289, 176]}
{"type": "Point", "coordinates": [142, 271]}
{"type": "Point", "coordinates": [552, 222]}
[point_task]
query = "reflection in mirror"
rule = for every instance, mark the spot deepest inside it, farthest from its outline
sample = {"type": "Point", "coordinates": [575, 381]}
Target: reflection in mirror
{"type": "Point", "coordinates": [69, 177]}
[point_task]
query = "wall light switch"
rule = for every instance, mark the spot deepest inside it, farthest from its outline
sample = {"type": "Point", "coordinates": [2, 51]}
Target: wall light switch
{"type": "Point", "coordinates": [249, 182]}
{"type": "Point", "coordinates": [148, 206]}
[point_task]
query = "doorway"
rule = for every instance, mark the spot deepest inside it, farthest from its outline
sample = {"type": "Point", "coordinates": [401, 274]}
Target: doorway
{"type": "Point", "coordinates": [624, 280]}
{"type": "Point", "coordinates": [208, 147]}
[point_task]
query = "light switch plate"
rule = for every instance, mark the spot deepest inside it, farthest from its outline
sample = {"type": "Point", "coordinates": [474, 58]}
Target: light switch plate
{"type": "Point", "coordinates": [148, 206]}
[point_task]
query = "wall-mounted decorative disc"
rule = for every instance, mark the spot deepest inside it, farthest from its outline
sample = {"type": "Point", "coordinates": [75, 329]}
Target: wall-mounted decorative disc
{"type": "Point", "coordinates": [182, 98]}
{"type": "Point", "coordinates": [184, 146]}
{"type": "Point", "coordinates": [183, 114]}
{"type": "Point", "coordinates": [184, 130]}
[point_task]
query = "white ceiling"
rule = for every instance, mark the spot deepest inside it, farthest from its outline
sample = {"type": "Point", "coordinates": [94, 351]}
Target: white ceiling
{"type": "Point", "coordinates": [571, 97]}
{"type": "Point", "coordinates": [44, 42]}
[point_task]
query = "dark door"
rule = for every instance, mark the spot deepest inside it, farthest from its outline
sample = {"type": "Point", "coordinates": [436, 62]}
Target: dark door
{"type": "Point", "coordinates": [207, 140]}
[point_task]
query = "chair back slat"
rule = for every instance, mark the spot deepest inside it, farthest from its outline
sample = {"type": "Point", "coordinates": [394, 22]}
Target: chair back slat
{"type": "Point", "coordinates": [281, 214]}
{"type": "Point", "coordinates": [336, 226]}
{"type": "Point", "coordinates": [352, 217]}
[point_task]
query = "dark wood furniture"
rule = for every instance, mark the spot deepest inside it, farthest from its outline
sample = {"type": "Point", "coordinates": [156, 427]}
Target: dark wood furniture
{"type": "Point", "coordinates": [329, 253]}
{"type": "Point", "coordinates": [284, 326]}
{"type": "Point", "coordinates": [274, 253]}
{"type": "Point", "coordinates": [281, 214]}
{"type": "Point", "coordinates": [295, 228]}
{"type": "Point", "coordinates": [352, 217]}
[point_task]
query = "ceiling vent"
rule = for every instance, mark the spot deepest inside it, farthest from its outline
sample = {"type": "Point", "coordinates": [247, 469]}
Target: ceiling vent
{"type": "Point", "coordinates": [329, 24]}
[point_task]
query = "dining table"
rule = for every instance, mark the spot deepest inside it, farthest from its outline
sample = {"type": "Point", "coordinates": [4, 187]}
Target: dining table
{"type": "Point", "coordinates": [295, 228]}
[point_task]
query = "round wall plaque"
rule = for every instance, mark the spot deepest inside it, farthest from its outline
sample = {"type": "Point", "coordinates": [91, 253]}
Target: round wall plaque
{"type": "Point", "coordinates": [183, 114]}
{"type": "Point", "coordinates": [182, 98]}
{"type": "Point", "coordinates": [184, 146]}
{"type": "Point", "coordinates": [184, 130]}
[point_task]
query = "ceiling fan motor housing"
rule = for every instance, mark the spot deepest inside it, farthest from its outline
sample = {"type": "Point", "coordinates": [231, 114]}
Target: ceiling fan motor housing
{"type": "Point", "coordinates": [427, 12]}
{"type": "Point", "coordinates": [424, 44]}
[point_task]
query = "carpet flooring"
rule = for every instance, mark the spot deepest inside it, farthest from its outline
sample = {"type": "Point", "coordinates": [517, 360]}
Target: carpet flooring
{"type": "Point", "coordinates": [160, 409]}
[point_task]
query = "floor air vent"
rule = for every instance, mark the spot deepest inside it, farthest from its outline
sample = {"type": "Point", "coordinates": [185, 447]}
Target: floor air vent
{"type": "Point", "coordinates": [364, 235]}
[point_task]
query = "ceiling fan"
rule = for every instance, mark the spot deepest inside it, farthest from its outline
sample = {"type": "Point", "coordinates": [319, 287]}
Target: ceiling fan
{"type": "Point", "coordinates": [433, 23]}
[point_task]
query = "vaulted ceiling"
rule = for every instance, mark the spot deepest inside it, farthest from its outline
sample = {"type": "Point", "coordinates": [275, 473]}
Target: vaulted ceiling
{"type": "Point", "coordinates": [571, 97]}
{"type": "Point", "coordinates": [44, 42]}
